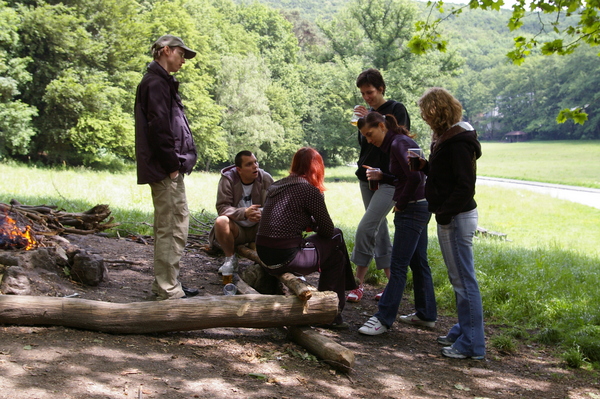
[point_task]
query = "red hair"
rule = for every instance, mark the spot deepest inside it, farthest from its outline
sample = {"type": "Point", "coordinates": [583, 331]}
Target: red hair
{"type": "Point", "coordinates": [308, 163]}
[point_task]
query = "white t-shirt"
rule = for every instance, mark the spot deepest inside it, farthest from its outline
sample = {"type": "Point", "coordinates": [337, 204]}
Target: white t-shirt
{"type": "Point", "coordinates": [245, 202]}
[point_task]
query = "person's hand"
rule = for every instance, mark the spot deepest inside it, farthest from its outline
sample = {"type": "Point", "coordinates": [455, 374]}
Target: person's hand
{"type": "Point", "coordinates": [373, 173]}
{"type": "Point", "coordinates": [174, 175]}
{"type": "Point", "coordinates": [253, 213]}
{"type": "Point", "coordinates": [361, 111]}
{"type": "Point", "coordinates": [413, 167]}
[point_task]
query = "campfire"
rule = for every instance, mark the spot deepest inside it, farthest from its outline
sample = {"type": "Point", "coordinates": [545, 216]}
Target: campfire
{"type": "Point", "coordinates": [14, 237]}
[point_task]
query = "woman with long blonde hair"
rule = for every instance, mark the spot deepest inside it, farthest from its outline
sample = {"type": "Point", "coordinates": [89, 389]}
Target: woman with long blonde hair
{"type": "Point", "coordinates": [450, 190]}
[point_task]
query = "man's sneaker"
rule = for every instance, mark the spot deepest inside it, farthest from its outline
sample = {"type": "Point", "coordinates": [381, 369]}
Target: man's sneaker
{"type": "Point", "coordinates": [378, 296]}
{"type": "Point", "coordinates": [230, 265]}
{"type": "Point", "coordinates": [444, 340]}
{"type": "Point", "coordinates": [372, 327]}
{"type": "Point", "coordinates": [449, 351]}
{"type": "Point", "coordinates": [415, 320]}
{"type": "Point", "coordinates": [356, 294]}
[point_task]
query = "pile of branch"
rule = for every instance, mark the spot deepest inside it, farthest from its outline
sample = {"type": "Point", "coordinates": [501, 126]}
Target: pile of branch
{"type": "Point", "coordinates": [48, 220]}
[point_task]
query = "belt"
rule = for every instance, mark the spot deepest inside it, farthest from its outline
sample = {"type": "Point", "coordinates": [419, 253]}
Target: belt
{"type": "Point", "coordinates": [414, 202]}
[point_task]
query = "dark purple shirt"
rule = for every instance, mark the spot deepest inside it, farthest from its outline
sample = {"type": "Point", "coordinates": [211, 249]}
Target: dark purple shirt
{"type": "Point", "coordinates": [410, 186]}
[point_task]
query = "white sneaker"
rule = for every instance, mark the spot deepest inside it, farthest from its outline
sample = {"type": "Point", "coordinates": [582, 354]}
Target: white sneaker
{"type": "Point", "coordinates": [415, 320]}
{"type": "Point", "coordinates": [372, 327]}
{"type": "Point", "coordinates": [230, 265]}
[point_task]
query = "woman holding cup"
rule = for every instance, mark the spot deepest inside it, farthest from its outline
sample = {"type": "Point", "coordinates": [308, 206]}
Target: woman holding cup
{"type": "Point", "coordinates": [451, 174]}
{"type": "Point", "coordinates": [410, 221]}
{"type": "Point", "coordinates": [372, 236]}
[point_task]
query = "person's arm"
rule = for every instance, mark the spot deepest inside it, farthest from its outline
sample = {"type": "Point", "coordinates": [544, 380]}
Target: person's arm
{"type": "Point", "coordinates": [225, 198]}
{"type": "Point", "coordinates": [315, 205]}
{"type": "Point", "coordinates": [412, 180]}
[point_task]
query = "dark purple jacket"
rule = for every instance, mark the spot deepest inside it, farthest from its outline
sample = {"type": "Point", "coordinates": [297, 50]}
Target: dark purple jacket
{"type": "Point", "coordinates": [163, 140]}
{"type": "Point", "coordinates": [409, 186]}
{"type": "Point", "coordinates": [372, 156]}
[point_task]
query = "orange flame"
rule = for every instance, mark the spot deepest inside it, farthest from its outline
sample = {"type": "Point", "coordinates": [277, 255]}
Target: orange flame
{"type": "Point", "coordinates": [11, 236]}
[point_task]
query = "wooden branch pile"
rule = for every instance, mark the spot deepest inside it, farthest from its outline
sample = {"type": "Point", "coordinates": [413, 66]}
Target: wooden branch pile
{"type": "Point", "coordinates": [48, 220]}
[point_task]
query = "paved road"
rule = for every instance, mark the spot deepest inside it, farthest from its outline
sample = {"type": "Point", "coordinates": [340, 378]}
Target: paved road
{"type": "Point", "coordinates": [581, 195]}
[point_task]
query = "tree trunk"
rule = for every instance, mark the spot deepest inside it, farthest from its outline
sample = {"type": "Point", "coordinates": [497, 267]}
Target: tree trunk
{"type": "Point", "coordinates": [252, 311]}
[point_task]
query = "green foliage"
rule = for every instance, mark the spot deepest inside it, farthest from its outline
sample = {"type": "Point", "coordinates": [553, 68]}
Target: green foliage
{"type": "Point", "coordinates": [574, 21]}
{"type": "Point", "coordinates": [549, 336]}
{"type": "Point", "coordinates": [247, 119]}
{"type": "Point", "coordinates": [503, 343]}
{"type": "Point", "coordinates": [69, 70]}
{"type": "Point", "coordinates": [574, 358]}
{"type": "Point", "coordinates": [547, 28]}
{"type": "Point", "coordinates": [368, 33]}
{"type": "Point", "coordinates": [16, 128]}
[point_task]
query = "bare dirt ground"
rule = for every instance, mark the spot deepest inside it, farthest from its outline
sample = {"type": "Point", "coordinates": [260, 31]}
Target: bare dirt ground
{"type": "Point", "coordinates": [58, 362]}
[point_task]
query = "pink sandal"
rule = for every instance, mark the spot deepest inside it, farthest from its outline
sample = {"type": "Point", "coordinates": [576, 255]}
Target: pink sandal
{"type": "Point", "coordinates": [356, 294]}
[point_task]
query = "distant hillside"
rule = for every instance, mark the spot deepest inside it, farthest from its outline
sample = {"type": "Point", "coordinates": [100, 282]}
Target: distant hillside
{"type": "Point", "coordinates": [308, 9]}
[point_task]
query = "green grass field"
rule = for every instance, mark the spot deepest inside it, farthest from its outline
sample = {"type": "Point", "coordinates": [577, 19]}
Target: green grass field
{"type": "Point", "coordinates": [544, 278]}
{"type": "Point", "coordinates": [574, 163]}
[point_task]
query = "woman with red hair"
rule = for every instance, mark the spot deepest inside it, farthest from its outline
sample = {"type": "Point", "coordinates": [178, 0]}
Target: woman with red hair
{"type": "Point", "coordinates": [294, 205]}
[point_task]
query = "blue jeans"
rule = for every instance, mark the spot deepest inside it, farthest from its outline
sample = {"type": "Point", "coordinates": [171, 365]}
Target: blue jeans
{"type": "Point", "coordinates": [456, 243]}
{"type": "Point", "coordinates": [410, 248]}
{"type": "Point", "coordinates": [372, 234]}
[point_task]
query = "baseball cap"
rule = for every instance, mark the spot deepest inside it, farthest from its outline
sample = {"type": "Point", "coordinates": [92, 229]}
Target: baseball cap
{"type": "Point", "coordinates": [173, 41]}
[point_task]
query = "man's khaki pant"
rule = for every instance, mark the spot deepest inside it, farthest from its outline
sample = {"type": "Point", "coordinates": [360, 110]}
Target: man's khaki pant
{"type": "Point", "coordinates": [171, 222]}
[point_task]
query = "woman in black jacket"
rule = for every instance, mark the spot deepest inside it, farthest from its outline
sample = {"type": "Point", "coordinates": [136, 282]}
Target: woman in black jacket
{"type": "Point", "coordinates": [450, 188]}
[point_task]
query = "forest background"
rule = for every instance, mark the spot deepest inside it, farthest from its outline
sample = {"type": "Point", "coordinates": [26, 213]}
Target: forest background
{"type": "Point", "coordinates": [270, 77]}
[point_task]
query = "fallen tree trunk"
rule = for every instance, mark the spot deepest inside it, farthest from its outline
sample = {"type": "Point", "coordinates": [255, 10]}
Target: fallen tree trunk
{"type": "Point", "coordinates": [252, 311]}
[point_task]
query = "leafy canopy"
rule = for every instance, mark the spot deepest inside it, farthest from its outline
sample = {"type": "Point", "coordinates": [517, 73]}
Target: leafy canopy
{"type": "Point", "coordinates": [563, 25]}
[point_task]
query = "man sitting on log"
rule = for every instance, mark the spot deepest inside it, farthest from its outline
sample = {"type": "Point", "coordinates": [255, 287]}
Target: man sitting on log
{"type": "Point", "coordinates": [240, 197]}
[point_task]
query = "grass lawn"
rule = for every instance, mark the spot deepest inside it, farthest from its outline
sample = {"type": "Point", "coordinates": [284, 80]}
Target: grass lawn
{"type": "Point", "coordinates": [575, 163]}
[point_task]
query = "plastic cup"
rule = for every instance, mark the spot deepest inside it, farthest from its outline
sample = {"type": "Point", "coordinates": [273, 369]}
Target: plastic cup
{"type": "Point", "coordinates": [414, 156]}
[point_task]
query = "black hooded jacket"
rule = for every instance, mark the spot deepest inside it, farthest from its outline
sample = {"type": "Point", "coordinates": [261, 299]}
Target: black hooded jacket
{"type": "Point", "coordinates": [452, 172]}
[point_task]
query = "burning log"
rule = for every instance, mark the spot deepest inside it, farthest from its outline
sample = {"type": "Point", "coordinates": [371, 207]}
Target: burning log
{"type": "Point", "coordinates": [12, 236]}
{"type": "Point", "coordinates": [47, 220]}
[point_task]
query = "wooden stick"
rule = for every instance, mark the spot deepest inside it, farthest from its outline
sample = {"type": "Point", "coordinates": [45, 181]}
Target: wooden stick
{"type": "Point", "coordinates": [330, 351]}
{"type": "Point", "coordinates": [301, 288]}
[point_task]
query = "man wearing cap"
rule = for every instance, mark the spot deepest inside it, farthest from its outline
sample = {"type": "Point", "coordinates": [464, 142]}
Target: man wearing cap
{"type": "Point", "coordinates": [165, 151]}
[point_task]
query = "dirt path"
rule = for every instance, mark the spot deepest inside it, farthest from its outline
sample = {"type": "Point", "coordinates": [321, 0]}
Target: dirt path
{"type": "Point", "coordinates": [58, 362]}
